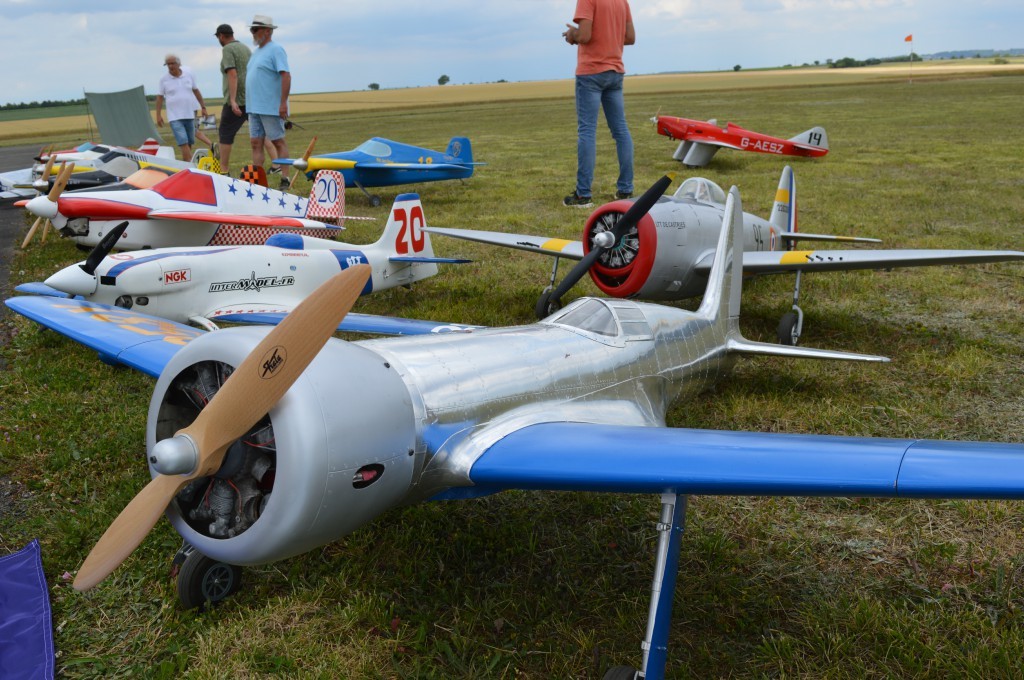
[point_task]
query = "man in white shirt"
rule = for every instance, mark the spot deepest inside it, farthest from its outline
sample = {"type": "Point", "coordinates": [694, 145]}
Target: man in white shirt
{"type": "Point", "coordinates": [178, 88]}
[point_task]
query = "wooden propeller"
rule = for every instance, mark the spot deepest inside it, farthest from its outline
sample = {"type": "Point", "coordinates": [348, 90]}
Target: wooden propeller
{"type": "Point", "coordinates": [303, 163]}
{"type": "Point", "coordinates": [63, 175]}
{"type": "Point", "coordinates": [247, 395]}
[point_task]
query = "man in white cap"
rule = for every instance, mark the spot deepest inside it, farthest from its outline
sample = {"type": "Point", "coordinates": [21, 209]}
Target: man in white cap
{"type": "Point", "coordinates": [268, 82]}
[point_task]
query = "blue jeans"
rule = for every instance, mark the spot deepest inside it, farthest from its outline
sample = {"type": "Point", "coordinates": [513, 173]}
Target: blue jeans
{"type": "Point", "coordinates": [594, 92]}
{"type": "Point", "coordinates": [184, 131]}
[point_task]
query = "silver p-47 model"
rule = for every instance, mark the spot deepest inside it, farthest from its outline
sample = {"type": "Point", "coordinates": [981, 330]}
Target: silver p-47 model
{"type": "Point", "coordinates": [667, 254]}
{"type": "Point", "coordinates": [255, 458]}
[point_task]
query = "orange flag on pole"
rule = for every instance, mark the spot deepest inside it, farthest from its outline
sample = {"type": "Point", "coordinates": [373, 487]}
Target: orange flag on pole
{"type": "Point", "coordinates": [909, 38]}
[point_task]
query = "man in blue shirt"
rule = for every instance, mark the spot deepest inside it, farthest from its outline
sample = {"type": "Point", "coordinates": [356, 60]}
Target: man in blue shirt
{"type": "Point", "coordinates": [268, 82]}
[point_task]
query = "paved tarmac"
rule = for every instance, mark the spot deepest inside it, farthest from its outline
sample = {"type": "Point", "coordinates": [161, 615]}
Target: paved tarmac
{"type": "Point", "coordinates": [12, 220]}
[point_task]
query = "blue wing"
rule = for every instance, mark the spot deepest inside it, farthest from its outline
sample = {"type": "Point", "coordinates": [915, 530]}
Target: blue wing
{"type": "Point", "coordinates": [146, 343]}
{"type": "Point", "coordinates": [362, 323]}
{"type": "Point", "coordinates": [587, 457]}
{"type": "Point", "coordinates": [120, 336]}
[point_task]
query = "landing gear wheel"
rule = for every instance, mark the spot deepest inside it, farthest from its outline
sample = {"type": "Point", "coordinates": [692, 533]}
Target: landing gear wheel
{"type": "Point", "coordinates": [787, 330]}
{"type": "Point", "coordinates": [545, 305]}
{"type": "Point", "coordinates": [203, 580]}
{"type": "Point", "coordinates": [620, 673]}
{"type": "Point", "coordinates": [375, 201]}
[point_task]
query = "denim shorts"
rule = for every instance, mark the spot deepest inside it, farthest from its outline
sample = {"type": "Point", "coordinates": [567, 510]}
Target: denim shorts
{"type": "Point", "coordinates": [262, 125]}
{"type": "Point", "coordinates": [184, 131]}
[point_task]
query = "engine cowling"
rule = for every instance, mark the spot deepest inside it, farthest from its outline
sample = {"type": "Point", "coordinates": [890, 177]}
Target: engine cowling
{"type": "Point", "coordinates": [649, 261]}
{"type": "Point", "coordinates": [335, 452]}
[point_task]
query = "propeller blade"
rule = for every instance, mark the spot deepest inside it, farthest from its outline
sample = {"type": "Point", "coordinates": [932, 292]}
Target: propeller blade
{"type": "Point", "coordinates": [31, 233]}
{"type": "Point", "coordinates": [640, 207]}
{"type": "Point", "coordinates": [48, 169]}
{"type": "Point", "coordinates": [103, 248]}
{"type": "Point", "coordinates": [309, 150]}
{"type": "Point", "coordinates": [249, 393]}
{"type": "Point", "coordinates": [62, 181]}
{"type": "Point", "coordinates": [574, 275]}
{"type": "Point", "coordinates": [128, 530]}
{"type": "Point", "coordinates": [46, 230]}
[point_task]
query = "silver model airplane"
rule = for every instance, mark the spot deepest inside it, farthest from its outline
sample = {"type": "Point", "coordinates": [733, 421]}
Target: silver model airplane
{"type": "Point", "coordinates": [667, 255]}
{"type": "Point", "coordinates": [255, 459]}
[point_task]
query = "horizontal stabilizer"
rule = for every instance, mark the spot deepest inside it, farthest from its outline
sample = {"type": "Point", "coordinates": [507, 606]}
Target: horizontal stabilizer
{"type": "Point", "coordinates": [587, 457]}
{"type": "Point", "coordinates": [429, 260]}
{"type": "Point", "coordinates": [744, 346]}
{"type": "Point", "coordinates": [795, 236]}
{"type": "Point", "coordinates": [241, 219]}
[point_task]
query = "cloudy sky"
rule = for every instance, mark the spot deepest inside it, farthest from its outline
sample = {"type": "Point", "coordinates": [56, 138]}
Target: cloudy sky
{"type": "Point", "coordinates": [57, 49]}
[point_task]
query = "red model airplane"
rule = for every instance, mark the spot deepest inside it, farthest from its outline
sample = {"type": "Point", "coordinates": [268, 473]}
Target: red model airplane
{"type": "Point", "coordinates": [700, 140]}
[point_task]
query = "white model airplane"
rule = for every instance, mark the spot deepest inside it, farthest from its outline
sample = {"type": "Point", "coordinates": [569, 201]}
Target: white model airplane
{"type": "Point", "coordinates": [254, 458]}
{"type": "Point", "coordinates": [245, 284]}
{"type": "Point", "coordinates": [667, 254]}
{"type": "Point", "coordinates": [194, 208]}
{"type": "Point", "coordinates": [97, 165]}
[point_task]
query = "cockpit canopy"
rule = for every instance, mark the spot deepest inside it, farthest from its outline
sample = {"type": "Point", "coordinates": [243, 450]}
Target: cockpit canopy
{"type": "Point", "coordinates": [604, 320]}
{"type": "Point", "coordinates": [375, 147]}
{"type": "Point", "coordinates": [700, 190]}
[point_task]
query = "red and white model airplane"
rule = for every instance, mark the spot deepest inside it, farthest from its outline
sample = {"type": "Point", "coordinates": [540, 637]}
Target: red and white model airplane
{"type": "Point", "coordinates": [194, 208]}
{"type": "Point", "coordinates": [700, 140]}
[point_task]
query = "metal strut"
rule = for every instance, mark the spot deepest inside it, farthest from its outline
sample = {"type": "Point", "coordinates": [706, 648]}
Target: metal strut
{"type": "Point", "coordinates": [663, 586]}
{"type": "Point", "coordinates": [554, 273]}
{"type": "Point", "coordinates": [796, 308]}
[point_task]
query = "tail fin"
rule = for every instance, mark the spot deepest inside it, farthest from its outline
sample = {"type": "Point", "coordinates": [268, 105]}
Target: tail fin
{"type": "Point", "coordinates": [254, 174]}
{"type": "Point", "coordinates": [815, 138]}
{"type": "Point", "coordinates": [327, 197]}
{"type": "Point", "coordinates": [721, 303]}
{"type": "Point", "coordinates": [405, 233]}
{"type": "Point", "coordinates": [783, 217]}
{"type": "Point", "coordinates": [150, 146]}
{"type": "Point", "coordinates": [460, 149]}
{"type": "Point", "coordinates": [725, 281]}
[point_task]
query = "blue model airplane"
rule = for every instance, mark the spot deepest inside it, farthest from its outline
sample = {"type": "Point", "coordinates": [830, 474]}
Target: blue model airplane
{"type": "Point", "coordinates": [380, 162]}
{"type": "Point", "coordinates": [275, 460]}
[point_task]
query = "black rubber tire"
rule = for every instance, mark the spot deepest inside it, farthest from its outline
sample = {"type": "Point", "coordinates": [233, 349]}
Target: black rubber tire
{"type": "Point", "coordinates": [620, 673]}
{"type": "Point", "coordinates": [545, 306]}
{"type": "Point", "coordinates": [375, 201]}
{"type": "Point", "coordinates": [203, 580]}
{"type": "Point", "coordinates": [787, 329]}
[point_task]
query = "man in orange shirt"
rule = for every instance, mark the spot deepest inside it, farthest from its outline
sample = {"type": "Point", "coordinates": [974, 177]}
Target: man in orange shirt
{"type": "Point", "coordinates": [602, 28]}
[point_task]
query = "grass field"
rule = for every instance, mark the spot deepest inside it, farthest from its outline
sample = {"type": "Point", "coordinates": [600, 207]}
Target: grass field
{"type": "Point", "coordinates": [535, 585]}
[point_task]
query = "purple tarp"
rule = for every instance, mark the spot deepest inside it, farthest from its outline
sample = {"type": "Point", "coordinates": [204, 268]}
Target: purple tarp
{"type": "Point", "coordinates": [26, 631]}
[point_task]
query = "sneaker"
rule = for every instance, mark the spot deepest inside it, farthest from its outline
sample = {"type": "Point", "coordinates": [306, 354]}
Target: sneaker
{"type": "Point", "coordinates": [574, 200]}
{"type": "Point", "coordinates": [619, 195]}
{"type": "Point", "coordinates": [274, 170]}
{"type": "Point", "coordinates": [285, 184]}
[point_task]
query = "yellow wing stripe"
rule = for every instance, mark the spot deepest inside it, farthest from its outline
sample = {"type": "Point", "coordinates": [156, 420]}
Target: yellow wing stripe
{"type": "Point", "coordinates": [795, 256]}
{"type": "Point", "coordinates": [557, 244]}
{"type": "Point", "coordinates": [782, 195]}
